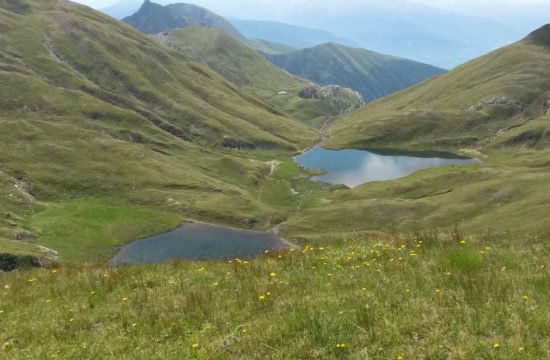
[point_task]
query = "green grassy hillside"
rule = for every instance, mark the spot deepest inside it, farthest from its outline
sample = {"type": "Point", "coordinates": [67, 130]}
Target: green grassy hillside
{"type": "Point", "coordinates": [232, 59]}
{"type": "Point", "coordinates": [473, 105]}
{"type": "Point", "coordinates": [236, 62]}
{"type": "Point", "coordinates": [373, 75]}
{"type": "Point", "coordinates": [492, 109]}
{"type": "Point", "coordinates": [93, 109]}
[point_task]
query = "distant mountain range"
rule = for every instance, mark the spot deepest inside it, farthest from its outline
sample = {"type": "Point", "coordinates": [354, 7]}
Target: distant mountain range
{"type": "Point", "coordinates": [295, 36]}
{"type": "Point", "coordinates": [398, 27]}
{"type": "Point", "coordinates": [373, 75]}
{"type": "Point", "coordinates": [152, 18]}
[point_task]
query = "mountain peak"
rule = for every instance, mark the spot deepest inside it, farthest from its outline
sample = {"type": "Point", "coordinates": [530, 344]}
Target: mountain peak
{"type": "Point", "coordinates": [540, 36]}
{"type": "Point", "coordinates": [153, 18]}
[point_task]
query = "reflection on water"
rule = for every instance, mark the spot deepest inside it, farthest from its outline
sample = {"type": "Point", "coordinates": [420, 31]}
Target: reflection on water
{"type": "Point", "coordinates": [355, 167]}
{"type": "Point", "coordinates": [195, 241]}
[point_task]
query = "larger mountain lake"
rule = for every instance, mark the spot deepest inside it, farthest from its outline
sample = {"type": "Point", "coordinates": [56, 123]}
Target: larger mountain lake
{"type": "Point", "coordinates": [356, 167]}
{"type": "Point", "coordinates": [197, 241]}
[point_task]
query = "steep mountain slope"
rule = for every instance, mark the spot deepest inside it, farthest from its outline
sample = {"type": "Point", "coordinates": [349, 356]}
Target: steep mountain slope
{"type": "Point", "coordinates": [291, 35]}
{"type": "Point", "coordinates": [153, 18]}
{"type": "Point", "coordinates": [236, 62]}
{"type": "Point", "coordinates": [470, 106]}
{"type": "Point", "coordinates": [231, 58]}
{"type": "Point", "coordinates": [373, 75]}
{"type": "Point", "coordinates": [93, 108]}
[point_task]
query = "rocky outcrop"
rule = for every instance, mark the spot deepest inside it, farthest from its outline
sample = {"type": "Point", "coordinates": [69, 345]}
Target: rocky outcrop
{"type": "Point", "coordinates": [232, 143]}
{"type": "Point", "coordinates": [513, 104]}
{"type": "Point", "coordinates": [9, 262]}
{"type": "Point", "coordinates": [344, 100]}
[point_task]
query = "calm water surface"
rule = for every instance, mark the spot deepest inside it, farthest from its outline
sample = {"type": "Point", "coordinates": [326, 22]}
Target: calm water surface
{"type": "Point", "coordinates": [194, 241]}
{"type": "Point", "coordinates": [355, 167]}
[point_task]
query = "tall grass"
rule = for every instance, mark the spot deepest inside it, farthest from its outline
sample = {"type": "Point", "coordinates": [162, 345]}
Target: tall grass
{"type": "Point", "coordinates": [377, 297]}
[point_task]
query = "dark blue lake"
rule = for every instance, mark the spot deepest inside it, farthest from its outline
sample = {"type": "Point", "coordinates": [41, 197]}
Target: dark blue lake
{"type": "Point", "coordinates": [196, 241]}
{"type": "Point", "coordinates": [356, 167]}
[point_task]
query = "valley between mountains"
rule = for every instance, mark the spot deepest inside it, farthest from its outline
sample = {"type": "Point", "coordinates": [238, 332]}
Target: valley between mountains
{"type": "Point", "coordinates": [113, 131]}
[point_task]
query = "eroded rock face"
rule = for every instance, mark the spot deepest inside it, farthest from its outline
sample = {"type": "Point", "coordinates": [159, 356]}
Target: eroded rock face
{"type": "Point", "coordinates": [514, 104]}
{"type": "Point", "coordinates": [344, 100]}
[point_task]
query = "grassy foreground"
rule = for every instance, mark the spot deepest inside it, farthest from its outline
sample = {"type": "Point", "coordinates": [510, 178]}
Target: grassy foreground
{"type": "Point", "coordinates": [377, 297]}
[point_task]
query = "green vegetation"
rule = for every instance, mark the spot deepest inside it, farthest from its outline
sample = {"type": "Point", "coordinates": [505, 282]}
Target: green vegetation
{"type": "Point", "coordinates": [232, 58]}
{"type": "Point", "coordinates": [86, 230]}
{"type": "Point", "coordinates": [107, 136]}
{"type": "Point", "coordinates": [94, 109]}
{"type": "Point", "coordinates": [506, 195]}
{"type": "Point", "coordinates": [413, 297]}
{"type": "Point", "coordinates": [472, 106]}
{"type": "Point", "coordinates": [492, 109]}
{"type": "Point", "coordinates": [373, 75]}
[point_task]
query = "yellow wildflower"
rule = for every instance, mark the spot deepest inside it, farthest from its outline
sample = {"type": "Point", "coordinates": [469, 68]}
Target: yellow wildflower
{"type": "Point", "coordinates": [496, 345]}
{"type": "Point", "coordinates": [195, 346]}
{"type": "Point", "coordinates": [525, 297]}
{"type": "Point", "coordinates": [261, 297]}
{"type": "Point", "coordinates": [273, 274]}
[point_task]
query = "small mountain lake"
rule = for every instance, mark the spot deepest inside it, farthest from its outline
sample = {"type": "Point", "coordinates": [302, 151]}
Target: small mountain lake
{"type": "Point", "coordinates": [198, 241]}
{"type": "Point", "coordinates": [356, 167]}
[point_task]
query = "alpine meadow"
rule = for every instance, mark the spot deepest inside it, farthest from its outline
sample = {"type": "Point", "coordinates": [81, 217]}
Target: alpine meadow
{"type": "Point", "coordinates": [250, 180]}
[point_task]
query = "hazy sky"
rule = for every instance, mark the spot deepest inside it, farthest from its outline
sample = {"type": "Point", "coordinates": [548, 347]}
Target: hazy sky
{"type": "Point", "coordinates": [438, 3]}
{"type": "Point", "coordinates": [524, 15]}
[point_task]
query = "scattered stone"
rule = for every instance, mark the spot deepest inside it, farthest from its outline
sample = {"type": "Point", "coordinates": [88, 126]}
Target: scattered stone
{"type": "Point", "coordinates": [344, 100]}
{"type": "Point", "coordinates": [233, 143]}
{"type": "Point", "coordinates": [24, 235]}
{"type": "Point", "coordinates": [9, 262]}
{"type": "Point", "coordinates": [497, 100]}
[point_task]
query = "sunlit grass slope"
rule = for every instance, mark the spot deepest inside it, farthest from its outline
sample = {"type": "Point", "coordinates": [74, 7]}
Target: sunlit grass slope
{"type": "Point", "coordinates": [470, 106]}
{"type": "Point", "coordinates": [232, 58]}
{"type": "Point", "coordinates": [91, 108]}
{"type": "Point", "coordinates": [377, 297]}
